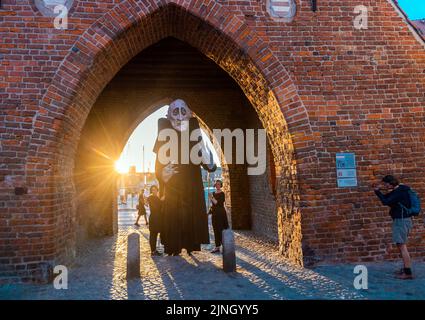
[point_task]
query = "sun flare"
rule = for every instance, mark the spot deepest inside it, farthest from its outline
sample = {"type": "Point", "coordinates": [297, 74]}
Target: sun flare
{"type": "Point", "coordinates": [121, 166]}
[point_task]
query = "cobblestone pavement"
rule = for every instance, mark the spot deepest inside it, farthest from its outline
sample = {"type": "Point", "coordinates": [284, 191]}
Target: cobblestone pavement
{"type": "Point", "coordinates": [261, 274]}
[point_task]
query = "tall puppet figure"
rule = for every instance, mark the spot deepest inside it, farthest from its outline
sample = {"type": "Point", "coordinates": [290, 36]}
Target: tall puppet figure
{"type": "Point", "coordinates": [185, 220]}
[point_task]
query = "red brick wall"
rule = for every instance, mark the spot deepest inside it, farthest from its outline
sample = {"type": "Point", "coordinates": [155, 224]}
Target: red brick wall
{"type": "Point", "coordinates": [318, 85]}
{"type": "Point", "coordinates": [262, 192]}
{"type": "Point", "coordinates": [263, 207]}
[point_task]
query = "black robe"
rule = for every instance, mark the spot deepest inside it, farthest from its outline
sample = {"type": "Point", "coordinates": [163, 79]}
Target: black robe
{"type": "Point", "coordinates": [219, 218]}
{"type": "Point", "coordinates": [185, 220]}
{"type": "Point", "coordinates": [155, 218]}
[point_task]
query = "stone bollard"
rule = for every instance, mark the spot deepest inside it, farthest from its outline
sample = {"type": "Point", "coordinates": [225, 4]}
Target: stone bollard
{"type": "Point", "coordinates": [229, 257]}
{"type": "Point", "coordinates": [133, 256]}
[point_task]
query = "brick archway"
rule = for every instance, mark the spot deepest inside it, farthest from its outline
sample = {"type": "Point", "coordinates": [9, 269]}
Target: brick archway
{"type": "Point", "coordinates": [109, 44]}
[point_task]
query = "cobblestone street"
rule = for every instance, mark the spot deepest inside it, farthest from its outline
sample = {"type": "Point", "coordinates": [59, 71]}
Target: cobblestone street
{"type": "Point", "coordinates": [261, 274]}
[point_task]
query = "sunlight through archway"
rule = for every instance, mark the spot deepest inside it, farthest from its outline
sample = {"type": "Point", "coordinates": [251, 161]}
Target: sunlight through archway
{"type": "Point", "coordinates": [138, 151]}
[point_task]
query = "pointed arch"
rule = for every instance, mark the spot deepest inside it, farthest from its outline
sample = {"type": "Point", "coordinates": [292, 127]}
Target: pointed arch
{"type": "Point", "coordinates": [122, 33]}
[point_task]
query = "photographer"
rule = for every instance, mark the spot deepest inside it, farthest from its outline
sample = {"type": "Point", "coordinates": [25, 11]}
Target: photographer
{"type": "Point", "coordinates": [397, 198]}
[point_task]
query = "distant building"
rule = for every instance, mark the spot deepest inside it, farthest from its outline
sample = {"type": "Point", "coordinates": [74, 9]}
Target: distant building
{"type": "Point", "coordinates": [133, 182]}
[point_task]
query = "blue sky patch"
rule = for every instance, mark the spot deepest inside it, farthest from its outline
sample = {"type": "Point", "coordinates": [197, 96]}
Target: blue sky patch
{"type": "Point", "coordinates": [415, 9]}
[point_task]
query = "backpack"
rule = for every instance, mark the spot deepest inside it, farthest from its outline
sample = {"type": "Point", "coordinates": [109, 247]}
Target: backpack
{"type": "Point", "coordinates": [415, 204]}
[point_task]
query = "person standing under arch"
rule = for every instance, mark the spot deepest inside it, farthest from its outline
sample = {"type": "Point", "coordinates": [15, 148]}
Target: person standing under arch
{"type": "Point", "coordinates": [155, 219]}
{"type": "Point", "coordinates": [141, 210]}
{"type": "Point", "coordinates": [218, 215]}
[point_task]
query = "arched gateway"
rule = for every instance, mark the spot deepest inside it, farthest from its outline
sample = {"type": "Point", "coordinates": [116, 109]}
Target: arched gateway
{"type": "Point", "coordinates": [314, 81]}
{"type": "Point", "coordinates": [108, 45]}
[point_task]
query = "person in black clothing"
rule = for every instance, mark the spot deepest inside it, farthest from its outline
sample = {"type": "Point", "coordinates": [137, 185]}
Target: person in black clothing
{"type": "Point", "coordinates": [219, 216]}
{"type": "Point", "coordinates": [402, 222]}
{"type": "Point", "coordinates": [185, 222]}
{"type": "Point", "coordinates": [155, 220]}
{"type": "Point", "coordinates": [141, 209]}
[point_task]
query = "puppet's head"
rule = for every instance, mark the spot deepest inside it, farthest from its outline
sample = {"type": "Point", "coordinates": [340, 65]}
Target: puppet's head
{"type": "Point", "coordinates": [179, 115]}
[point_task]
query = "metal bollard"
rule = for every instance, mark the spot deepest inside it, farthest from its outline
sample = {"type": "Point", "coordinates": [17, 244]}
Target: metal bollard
{"type": "Point", "coordinates": [133, 256]}
{"type": "Point", "coordinates": [229, 257]}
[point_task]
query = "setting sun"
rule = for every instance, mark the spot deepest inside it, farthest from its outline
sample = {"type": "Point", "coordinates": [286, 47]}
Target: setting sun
{"type": "Point", "coordinates": [121, 166]}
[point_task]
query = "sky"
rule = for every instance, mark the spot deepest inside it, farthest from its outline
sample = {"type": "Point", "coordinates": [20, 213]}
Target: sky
{"type": "Point", "coordinates": [415, 9]}
{"type": "Point", "coordinates": [145, 135]}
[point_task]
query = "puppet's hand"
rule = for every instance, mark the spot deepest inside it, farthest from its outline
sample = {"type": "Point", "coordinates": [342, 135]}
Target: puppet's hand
{"type": "Point", "coordinates": [168, 171]}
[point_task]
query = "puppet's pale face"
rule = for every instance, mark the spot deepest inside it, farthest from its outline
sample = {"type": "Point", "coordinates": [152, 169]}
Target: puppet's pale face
{"type": "Point", "coordinates": [179, 115]}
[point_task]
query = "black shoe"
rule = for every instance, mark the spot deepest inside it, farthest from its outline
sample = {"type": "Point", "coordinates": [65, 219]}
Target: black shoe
{"type": "Point", "coordinates": [399, 272]}
{"type": "Point", "coordinates": [405, 276]}
{"type": "Point", "coordinates": [156, 253]}
{"type": "Point", "coordinates": [137, 225]}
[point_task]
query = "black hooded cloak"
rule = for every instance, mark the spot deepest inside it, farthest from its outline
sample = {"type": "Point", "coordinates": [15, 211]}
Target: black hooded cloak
{"type": "Point", "coordinates": [185, 220]}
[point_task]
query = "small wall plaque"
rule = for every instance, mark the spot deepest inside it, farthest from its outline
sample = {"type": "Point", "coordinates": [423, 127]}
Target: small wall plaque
{"type": "Point", "coordinates": [346, 170]}
{"type": "Point", "coordinates": [282, 10]}
{"type": "Point", "coordinates": [47, 7]}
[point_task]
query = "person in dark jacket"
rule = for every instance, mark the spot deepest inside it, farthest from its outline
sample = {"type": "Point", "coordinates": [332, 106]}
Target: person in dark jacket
{"type": "Point", "coordinates": [155, 219]}
{"type": "Point", "coordinates": [402, 223]}
{"type": "Point", "coordinates": [219, 216]}
{"type": "Point", "coordinates": [141, 209]}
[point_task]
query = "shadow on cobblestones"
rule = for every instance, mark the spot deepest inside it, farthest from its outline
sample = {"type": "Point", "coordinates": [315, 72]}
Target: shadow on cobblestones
{"type": "Point", "coordinates": [261, 274]}
{"type": "Point", "coordinates": [288, 280]}
{"type": "Point", "coordinates": [382, 283]}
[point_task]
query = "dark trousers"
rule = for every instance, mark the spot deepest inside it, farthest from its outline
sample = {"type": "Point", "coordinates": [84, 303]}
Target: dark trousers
{"type": "Point", "coordinates": [218, 236]}
{"type": "Point", "coordinates": [152, 239]}
{"type": "Point", "coordinates": [219, 222]}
